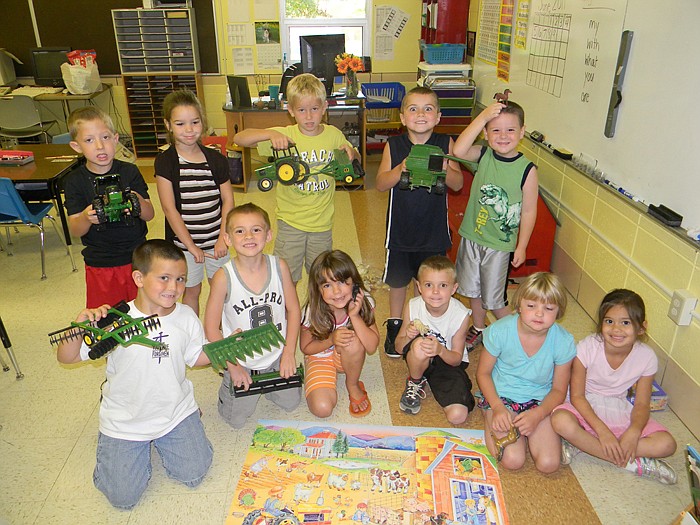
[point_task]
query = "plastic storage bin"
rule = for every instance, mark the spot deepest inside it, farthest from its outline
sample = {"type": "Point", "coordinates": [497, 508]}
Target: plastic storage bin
{"type": "Point", "coordinates": [443, 53]}
{"type": "Point", "coordinates": [378, 111]}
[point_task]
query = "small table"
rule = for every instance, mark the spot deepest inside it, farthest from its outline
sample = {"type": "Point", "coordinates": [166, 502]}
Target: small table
{"type": "Point", "coordinates": [67, 98]}
{"type": "Point", "coordinates": [46, 169]}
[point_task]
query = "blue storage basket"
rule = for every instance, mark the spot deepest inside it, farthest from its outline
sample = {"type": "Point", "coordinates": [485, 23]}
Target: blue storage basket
{"type": "Point", "coordinates": [394, 91]}
{"type": "Point", "coordinates": [443, 53]}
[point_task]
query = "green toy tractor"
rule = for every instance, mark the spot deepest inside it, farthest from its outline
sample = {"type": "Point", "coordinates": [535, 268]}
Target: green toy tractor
{"type": "Point", "coordinates": [342, 169]}
{"type": "Point", "coordinates": [424, 169]}
{"type": "Point", "coordinates": [112, 204]}
{"type": "Point", "coordinates": [288, 168]}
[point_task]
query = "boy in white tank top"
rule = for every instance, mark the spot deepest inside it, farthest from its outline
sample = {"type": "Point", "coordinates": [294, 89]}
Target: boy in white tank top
{"type": "Point", "coordinates": [251, 290]}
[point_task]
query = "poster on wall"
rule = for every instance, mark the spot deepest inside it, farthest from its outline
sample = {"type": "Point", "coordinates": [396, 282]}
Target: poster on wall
{"type": "Point", "coordinates": [267, 32]}
{"type": "Point", "coordinates": [487, 42]}
{"type": "Point", "coordinates": [505, 33]}
{"type": "Point", "coordinates": [521, 19]}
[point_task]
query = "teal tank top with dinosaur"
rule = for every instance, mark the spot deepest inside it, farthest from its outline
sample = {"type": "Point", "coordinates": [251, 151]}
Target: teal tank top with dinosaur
{"type": "Point", "coordinates": [492, 217]}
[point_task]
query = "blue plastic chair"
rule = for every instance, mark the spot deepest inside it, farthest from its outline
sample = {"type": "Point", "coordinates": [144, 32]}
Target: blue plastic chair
{"type": "Point", "coordinates": [15, 212]}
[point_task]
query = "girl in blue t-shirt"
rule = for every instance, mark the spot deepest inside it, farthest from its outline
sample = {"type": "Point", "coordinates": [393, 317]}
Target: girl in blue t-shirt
{"type": "Point", "coordinates": [524, 374]}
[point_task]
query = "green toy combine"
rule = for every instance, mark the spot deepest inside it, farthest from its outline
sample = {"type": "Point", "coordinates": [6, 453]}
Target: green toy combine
{"type": "Point", "coordinates": [288, 168]}
{"type": "Point", "coordinates": [242, 345]}
{"type": "Point", "coordinates": [424, 169]}
{"type": "Point", "coordinates": [117, 328]}
{"type": "Point", "coordinates": [112, 204]}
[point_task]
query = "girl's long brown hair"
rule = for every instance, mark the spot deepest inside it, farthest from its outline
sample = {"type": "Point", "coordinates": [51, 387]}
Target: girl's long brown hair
{"type": "Point", "coordinates": [337, 266]}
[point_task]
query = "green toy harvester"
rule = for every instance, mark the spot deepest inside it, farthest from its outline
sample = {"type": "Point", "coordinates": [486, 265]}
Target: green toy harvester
{"type": "Point", "coordinates": [242, 345]}
{"type": "Point", "coordinates": [288, 168]}
{"type": "Point", "coordinates": [424, 169]}
{"type": "Point", "coordinates": [112, 204]}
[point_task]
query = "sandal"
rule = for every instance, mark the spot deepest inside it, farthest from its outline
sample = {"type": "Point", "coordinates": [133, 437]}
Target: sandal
{"type": "Point", "coordinates": [355, 403]}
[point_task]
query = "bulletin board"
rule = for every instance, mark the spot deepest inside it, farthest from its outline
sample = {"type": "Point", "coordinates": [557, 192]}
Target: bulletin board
{"type": "Point", "coordinates": [85, 24]}
{"type": "Point", "coordinates": [395, 30]}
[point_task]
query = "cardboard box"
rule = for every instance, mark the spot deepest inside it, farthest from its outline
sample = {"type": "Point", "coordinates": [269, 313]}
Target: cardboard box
{"type": "Point", "coordinates": [659, 399]}
{"type": "Point", "coordinates": [7, 67]}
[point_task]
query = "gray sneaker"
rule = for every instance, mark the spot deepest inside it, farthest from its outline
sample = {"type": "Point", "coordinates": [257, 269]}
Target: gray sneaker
{"type": "Point", "coordinates": [412, 395]}
{"type": "Point", "coordinates": [474, 338]}
{"type": "Point", "coordinates": [657, 469]}
{"type": "Point", "coordinates": [568, 451]}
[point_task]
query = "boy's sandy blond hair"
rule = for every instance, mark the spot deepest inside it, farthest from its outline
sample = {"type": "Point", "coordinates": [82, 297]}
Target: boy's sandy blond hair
{"type": "Point", "coordinates": [305, 85]}
{"type": "Point", "coordinates": [85, 114]}
{"type": "Point", "coordinates": [420, 90]}
{"type": "Point", "coordinates": [543, 287]}
{"type": "Point", "coordinates": [247, 209]}
{"type": "Point", "coordinates": [438, 263]}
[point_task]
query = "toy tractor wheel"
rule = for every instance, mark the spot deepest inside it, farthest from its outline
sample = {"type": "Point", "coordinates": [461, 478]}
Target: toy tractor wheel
{"type": "Point", "coordinates": [88, 340]}
{"type": "Point", "coordinates": [404, 180]}
{"type": "Point", "coordinates": [135, 205]}
{"type": "Point", "coordinates": [357, 167]}
{"type": "Point", "coordinates": [287, 519]}
{"type": "Point", "coordinates": [254, 518]}
{"type": "Point", "coordinates": [348, 179]}
{"type": "Point", "coordinates": [101, 348]}
{"type": "Point", "coordinates": [440, 186]}
{"type": "Point", "coordinates": [99, 208]}
{"type": "Point", "coordinates": [304, 171]}
{"type": "Point", "coordinates": [287, 172]}
{"type": "Point", "coordinates": [265, 184]}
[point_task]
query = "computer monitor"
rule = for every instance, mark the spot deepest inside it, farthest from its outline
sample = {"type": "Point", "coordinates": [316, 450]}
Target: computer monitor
{"type": "Point", "coordinates": [318, 54]}
{"type": "Point", "coordinates": [46, 65]}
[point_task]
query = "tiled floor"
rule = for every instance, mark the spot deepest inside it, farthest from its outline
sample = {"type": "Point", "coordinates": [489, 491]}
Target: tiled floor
{"type": "Point", "coordinates": [48, 420]}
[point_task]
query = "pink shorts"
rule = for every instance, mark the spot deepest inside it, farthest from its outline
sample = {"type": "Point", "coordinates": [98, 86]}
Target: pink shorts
{"type": "Point", "coordinates": [650, 428]}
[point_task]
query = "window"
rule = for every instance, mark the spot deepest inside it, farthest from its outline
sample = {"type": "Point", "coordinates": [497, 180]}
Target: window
{"type": "Point", "coordinates": [325, 17]}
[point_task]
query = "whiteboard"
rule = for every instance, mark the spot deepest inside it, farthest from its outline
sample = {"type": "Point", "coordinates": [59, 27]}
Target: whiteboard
{"type": "Point", "coordinates": [658, 127]}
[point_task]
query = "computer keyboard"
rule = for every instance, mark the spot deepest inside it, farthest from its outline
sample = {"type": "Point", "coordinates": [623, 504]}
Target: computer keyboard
{"type": "Point", "coordinates": [33, 91]}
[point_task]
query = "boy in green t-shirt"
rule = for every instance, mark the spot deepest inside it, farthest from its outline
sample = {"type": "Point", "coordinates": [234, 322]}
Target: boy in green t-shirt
{"type": "Point", "coordinates": [500, 215]}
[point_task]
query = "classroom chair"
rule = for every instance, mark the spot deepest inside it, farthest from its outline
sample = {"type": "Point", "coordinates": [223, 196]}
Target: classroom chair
{"type": "Point", "coordinates": [15, 212]}
{"type": "Point", "coordinates": [5, 338]}
{"type": "Point", "coordinates": [19, 118]}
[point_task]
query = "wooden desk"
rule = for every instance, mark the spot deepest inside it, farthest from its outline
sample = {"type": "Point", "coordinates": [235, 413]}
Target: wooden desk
{"type": "Point", "coordinates": [67, 98]}
{"type": "Point", "coordinates": [45, 171]}
{"type": "Point", "coordinates": [238, 119]}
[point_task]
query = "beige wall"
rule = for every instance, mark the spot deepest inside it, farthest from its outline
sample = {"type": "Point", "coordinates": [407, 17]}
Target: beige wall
{"type": "Point", "coordinates": [607, 241]}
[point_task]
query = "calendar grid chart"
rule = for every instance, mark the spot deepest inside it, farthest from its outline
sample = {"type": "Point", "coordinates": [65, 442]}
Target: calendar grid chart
{"type": "Point", "coordinates": [548, 49]}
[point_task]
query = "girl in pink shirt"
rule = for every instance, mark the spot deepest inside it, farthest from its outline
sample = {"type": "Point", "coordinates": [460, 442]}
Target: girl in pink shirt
{"type": "Point", "coordinates": [599, 419]}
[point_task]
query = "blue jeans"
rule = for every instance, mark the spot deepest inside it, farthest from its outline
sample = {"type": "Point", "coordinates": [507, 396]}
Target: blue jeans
{"type": "Point", "coordinates": [124, 467]}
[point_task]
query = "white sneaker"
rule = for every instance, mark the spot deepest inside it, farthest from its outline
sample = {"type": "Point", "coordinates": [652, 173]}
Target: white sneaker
{"type": "Point", "coordinates": [568, 451]}
{"type": "Point", "coordinates": [657, 469]}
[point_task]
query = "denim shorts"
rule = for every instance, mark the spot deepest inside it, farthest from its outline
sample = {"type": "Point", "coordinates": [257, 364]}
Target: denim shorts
{"type": "Point", "coordinates": [123, 467]}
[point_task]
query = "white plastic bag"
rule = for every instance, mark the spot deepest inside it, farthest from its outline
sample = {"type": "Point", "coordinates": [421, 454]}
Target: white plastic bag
{"type": "Point", "coordinates": [81, 80]}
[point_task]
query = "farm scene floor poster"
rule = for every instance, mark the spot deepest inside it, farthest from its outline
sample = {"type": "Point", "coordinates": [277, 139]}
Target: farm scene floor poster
{"type": "Point", "coordinates": [299, 473]}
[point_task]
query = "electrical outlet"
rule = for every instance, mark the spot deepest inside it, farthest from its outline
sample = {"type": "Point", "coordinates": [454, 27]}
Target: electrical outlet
{"type": "Point", "coordinates": [681, 308]}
